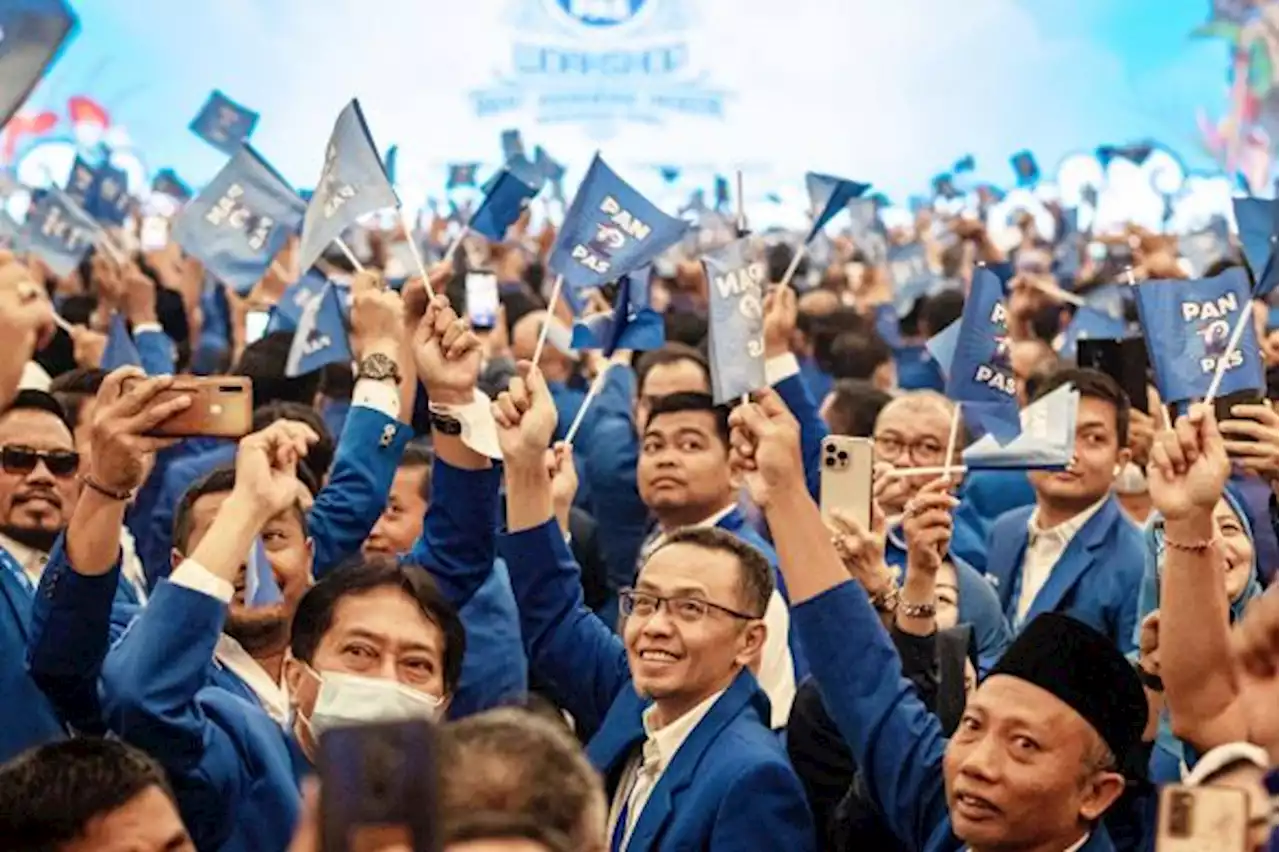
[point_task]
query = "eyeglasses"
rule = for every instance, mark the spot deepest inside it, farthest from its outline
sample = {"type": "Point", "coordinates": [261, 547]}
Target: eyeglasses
{"type": "Point", "coordinates": [22, 460]}
{"type": "Point", "coordinates": [923, 451]}
{"type": "Point", "coordinates": [687, 610]}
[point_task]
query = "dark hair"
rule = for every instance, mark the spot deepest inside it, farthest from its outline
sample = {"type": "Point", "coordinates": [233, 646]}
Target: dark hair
{"type": "Point", "coordinates": [778, 258]}
{"type": "Point", "coordinates": [337, 381]}
{"type": "Point", "coordinates": [1046, 323]}
{"type": "Point", "coordinates": [419, 453]}
{"type": "Point", "coordinates": [49, 794]}
{"type": "Point", "coordinates": [319, 458]}
{"type": "Point", "coordinates": [756, 578]}
{"type": "Point", "coordinates": [823, 329]}
{"type": "Point", "coordinates": [73, 387]}
{"type": "Point", "coordinates": [264, 360]}
{"type": "Point", "coordinates": [669, 353]}
{"type": "Point", "coordinates": [30, 399]}
{"type": "Point", "coordinates": [511, 764]}
{"type": "Point", "coordinates": [685, 327]}
{"type": "Point", "coordinates": [220, 480]}
{"type": "Point", "coordinates": [364, 574]}
{"type": "Point", "coordinates": [855, 405]}
{"type": "Point", "coordinates": [1092, 384]}
{"type": "Point", "coordinates": [473, 825]}
{"type": "Point", "coordinates": [858, 354]}
{"type": "Point", "coordinates": [941, 309]}
{"type": "Point", "coordinates": [676, 402]}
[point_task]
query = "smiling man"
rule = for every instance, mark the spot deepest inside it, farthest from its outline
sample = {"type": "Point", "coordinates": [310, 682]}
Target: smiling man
{"type": "Point", "coordinates": [1074, 551]}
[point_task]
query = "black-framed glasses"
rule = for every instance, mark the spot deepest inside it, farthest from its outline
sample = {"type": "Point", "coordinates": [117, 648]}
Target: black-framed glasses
{"type": "Point", "coordinates": [679, 607]}
{"type": "Point", "coordinates": [921, 451]}
{"type": "Point", "coordinates": [20, 460]}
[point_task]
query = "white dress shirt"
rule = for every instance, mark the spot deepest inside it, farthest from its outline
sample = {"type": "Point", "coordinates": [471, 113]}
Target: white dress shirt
{"type": "Point", "coordinates": [645, 769]}
{"type": "Point", "coordinates": [32, 561]}
{"type": "Point", "coordinates": [777, 673]}
{"type": "Point", "coordinates": [1044, 549]}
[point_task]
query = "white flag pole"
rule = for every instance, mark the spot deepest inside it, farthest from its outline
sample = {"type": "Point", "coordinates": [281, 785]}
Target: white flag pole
{"type": "Point", "coordinates": [582, 409]}
{"type": "Point", "coordinates": [795, 264]}
{"type": "Point", "coordinates": [457, 243]}
{"type": "Point", "coordinates": [1233, 343]}
{"type": "Point", "coordinates": [351, 256]}
{"type": "Point", "coordinates": [951, 443]}
{"type": "Point", "coordinates": [417, 256]}
{"type": "Point", "coordinates": [546, 326]}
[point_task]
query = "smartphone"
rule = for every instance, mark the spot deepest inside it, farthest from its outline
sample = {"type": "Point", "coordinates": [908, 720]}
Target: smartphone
{"type": "Point", "coordinates": [846, 477]}
{"type": "Point", "coordinates": [1222, 405]}
{"type": "Point", "coordinates": [379, 788]}
{"type": "Point", "coordinates": [255, 325]}
{"type": "Point", "coordinates": [221, 407]}
{"type": "Point", "coordinates": [482, 299]}
{"type": "Point", "coordinates": [1202, 819]}
{"type": "Point", "coordinates": [1123, 360]}
{"type": "Point", "coordinates": [154, 234]}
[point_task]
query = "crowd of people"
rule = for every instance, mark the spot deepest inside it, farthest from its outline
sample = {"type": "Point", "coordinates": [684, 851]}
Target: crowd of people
{"type": "Point", "coordinates": [649, 637]}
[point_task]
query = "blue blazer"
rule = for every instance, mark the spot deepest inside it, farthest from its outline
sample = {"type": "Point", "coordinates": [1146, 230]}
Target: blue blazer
{"type": "Point", "coordinates": [896, 742]}
{"type": "Point", "coordinates": [730, 785]}
{"type": "Point", "coordinates": [1096, 580]}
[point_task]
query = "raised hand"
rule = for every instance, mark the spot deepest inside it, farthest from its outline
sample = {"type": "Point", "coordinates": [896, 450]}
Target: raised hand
{"type": "Point", "coordinates": [377, 317]}
{"type": "Point", "coordinates": [1149, 643]}
{"type": "Point", "coordinates": [267, 467]}
{"type": "Point", "coordinates": [780, 313]}
{"type": "Point", "coordinates": [139, 295]}
{"type": "Point", "coordinates": [564, 481]}
{"type": "Point", "coordinates": [87, 346]}
{"type": "Point", "coordinates": [126, 409]}
{"type": "Point", "coordinates": [526, 418]}
{"type": "Point", "coordinates": [927, 524]}
{"type": "Point", "coordinates": [862, 550]}
{"type": "Point", "coordinates": [765, 447]}
{"type": "Point", "coordinates": [1189, 466]}
{"type": "Point", "coordinates": [447, 354]}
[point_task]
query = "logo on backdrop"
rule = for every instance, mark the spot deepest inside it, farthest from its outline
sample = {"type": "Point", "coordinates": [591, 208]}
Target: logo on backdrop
{"type": "Point", "coordinates": [601, 64]}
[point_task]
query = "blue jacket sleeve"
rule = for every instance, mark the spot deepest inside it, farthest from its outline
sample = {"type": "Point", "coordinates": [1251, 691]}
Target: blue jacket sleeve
{"type": "Point", "coordinates": [766, 801]}
{"type": "Point", "coordinates": [353, 499]}
{"type": "Point", "coordinates": [572, 650]}
{"type": "Point", "coordinates": [896, 742]}
{"type": "Point", "coordinates": [457, 542]}
{"type": "Point", "coordinates": [73, 621]}
{"type": "Point", "coordinates": [796, 395]}
{"type": "Point", "coordinates": [156, 351]}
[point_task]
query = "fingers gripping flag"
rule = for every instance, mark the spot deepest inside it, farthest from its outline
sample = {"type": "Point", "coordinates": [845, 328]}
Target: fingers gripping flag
{"type": "Point", "coordinates": [735, 287]}
{"type": "Point", "coordinates": [352, 184]}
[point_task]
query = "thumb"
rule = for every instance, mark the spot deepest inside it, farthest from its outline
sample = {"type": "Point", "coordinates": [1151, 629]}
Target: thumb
{"type": "Point", "coordinates": [770, 403]}
{"type": "Point", "coordinates": [535, 382]}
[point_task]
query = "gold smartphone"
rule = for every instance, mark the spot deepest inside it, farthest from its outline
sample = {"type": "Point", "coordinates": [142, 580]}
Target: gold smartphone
{"type": "Point", "coordinates": [1202, 819]}
{"type": "Point", "coordinates": [846, 477]}
{"type": "Point", "coordinates": [221, 407]}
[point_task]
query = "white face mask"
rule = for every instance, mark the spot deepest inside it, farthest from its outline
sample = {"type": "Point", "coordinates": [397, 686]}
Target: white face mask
{"type": "Point", "coordinates": [347, 699]}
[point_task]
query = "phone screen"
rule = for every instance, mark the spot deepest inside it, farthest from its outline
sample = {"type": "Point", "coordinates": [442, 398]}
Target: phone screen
{"type": "Point", "coordinates": [482, 299]}
{"type": "Point", "coordinates": [255, 326]}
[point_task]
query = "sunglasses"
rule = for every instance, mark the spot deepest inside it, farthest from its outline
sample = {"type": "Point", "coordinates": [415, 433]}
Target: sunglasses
{"type": "Point", "coordinates": [23, 460]}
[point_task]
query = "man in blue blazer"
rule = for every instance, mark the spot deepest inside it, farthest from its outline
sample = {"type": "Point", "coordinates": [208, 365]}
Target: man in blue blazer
{"type": "Point", "coordinates": [1075, 552]}
{"type": "Point", "coordinates": [1033, 764]}
{"type": "Point", "coordinates": [683, 734]}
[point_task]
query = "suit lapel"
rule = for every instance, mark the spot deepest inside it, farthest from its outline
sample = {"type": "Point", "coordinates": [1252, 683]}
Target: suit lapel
{"type": "Point", "coordinates": [1077, 559]}
{"type": "Point", "coordinates": [742, 694]}
{"type": "Point", "coordinates": [619, 733]}
{"type": "Point", "coordinates": [18, 600]}
{"type": "Point", "coordinates": [1006, 564]}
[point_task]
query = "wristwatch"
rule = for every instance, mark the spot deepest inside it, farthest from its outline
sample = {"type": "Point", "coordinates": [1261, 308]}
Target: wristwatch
{"type": "Point", "coordinates": [445, 424]}
{"type": "Point", "coordinates": [378, 367]}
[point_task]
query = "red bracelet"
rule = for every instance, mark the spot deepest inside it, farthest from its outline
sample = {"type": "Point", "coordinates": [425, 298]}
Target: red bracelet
{"type": "Point", "coordinates": [111, 494]}
{"type": "Point", "coordinates": [1191, 546]}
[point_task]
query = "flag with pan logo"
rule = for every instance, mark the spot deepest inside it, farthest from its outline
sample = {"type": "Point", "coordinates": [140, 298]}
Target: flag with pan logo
{"type": "Point", "coordinates": [735, 327]}
{"type": "Point", "coordinates": [33, 32]}
{"type": "Point", "coordinates": [321, 335]}
{"type": "Point", "coordinates": [980, 375]}
{"type": "Point", "coordinates": [223, 123]}
{"type": "Point", "coordinates": [828, 195]}
{"type": "Point", "coordinates": [609, 230]}
{"type": "Point", "coordinates": [294, 300]}
{"type": "Point", "coordinates": [59, 231]}
{"type": "Point", "coordinates": [1188, 325]}
{"type": "Point", "coordinates": [352, 184]}
{"type": "Point", "coordinates": [240, 220]}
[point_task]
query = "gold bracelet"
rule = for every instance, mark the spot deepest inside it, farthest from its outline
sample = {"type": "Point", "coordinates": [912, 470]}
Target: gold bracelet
{"type": "Point", "coordinates": [918, 610]}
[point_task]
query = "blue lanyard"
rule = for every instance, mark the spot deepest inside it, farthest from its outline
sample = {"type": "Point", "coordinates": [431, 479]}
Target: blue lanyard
{"type": "Point", "coordinates": [11, 565]}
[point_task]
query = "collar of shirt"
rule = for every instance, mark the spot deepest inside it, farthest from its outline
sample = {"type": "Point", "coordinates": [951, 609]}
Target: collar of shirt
{"type": "Point", "coordinates": [31, 560]}
{"type": "Point", "coordinates": [1065, 531]}
{"type": "Point", "coordinates": [271, 695]}
{"type": "Point", "coordinates": [661, 745]}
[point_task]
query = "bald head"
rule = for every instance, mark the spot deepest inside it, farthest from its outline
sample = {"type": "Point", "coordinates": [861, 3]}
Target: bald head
{"type": "Point", "coordinates": [818, 303]}
{"type": "Point", "coordinates": [524, 334]}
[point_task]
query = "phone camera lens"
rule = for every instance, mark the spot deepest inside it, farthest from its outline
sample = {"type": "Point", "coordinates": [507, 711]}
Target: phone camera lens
{"type": "Point", "coordinates": [842, 455]}
{"type": "Point", "coordinates": [829, 461]}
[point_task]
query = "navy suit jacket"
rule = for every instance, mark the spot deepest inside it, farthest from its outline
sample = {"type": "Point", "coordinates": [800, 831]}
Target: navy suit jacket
{"type": "Point", "coordinates": [895, 740]}
{"type": "Point", "coordinates": [1096, 580]}
{"type": "Point", "coordinates": [730, 785]}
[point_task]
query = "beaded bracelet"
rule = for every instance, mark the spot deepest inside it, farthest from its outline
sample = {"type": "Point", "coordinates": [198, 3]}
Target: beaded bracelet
{"type": "Point", "coordinates": [109, 493]}
{"type": "Point", "coordinates": [1191, 546]}
{"type": "Point", "coordinates": [918, 610]}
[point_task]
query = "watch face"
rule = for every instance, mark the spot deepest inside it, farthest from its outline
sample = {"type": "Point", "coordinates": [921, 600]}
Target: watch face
{"type": "Point", "coordinates": [446, 425]}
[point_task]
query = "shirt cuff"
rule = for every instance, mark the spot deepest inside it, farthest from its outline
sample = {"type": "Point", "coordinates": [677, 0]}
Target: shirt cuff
{"type": "Point", "coordinates": [192, 575]}
{"type": "Point", "coordinates": [479, 431]}
{"type": "Point", "coordinates": [781, 367]}
{"type": "Point", "coordinates": [144, 327]}
{"type": "Point", "coordinates": [378, 395]}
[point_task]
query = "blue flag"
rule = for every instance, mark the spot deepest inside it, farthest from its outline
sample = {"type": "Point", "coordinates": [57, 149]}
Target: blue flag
{"type": "Point", "coordinates": [1188, 324]}
{"type": "Point", "coordinates": [109, 201]}
{"type": "Point", "coordinates": [240, 220]}
{"type": "Point", "coordinates": [352, 184]}
{"type": "Point", "coordinates": [81, 182]}
{"type": "Point", "coordinates": [1256, 219]}
{"type": "Point", "coordinates": [735, 326]}
{"type": "Point", "coordinates": [1047, 440]}
{"type": "Point", "coordinates": [293, 301]}
{"type": "Point", "coordinates": [260, 587]}
{"type": "Point", "coordinates": [34, 31]}
{"type": "Point", "coordinates": [461, 174]}
{"type": "Point", "coordinates": [609, 230]}
{"type": "Point", "coordinates": [632, 324]}
{"type": "Point", "coordinates": [168, 182]}
{"type": "Point", "coordinates": [1090, 324]}
{"type": "Point", "coordinates": [321, 336]}
{"type": "Point", "coordinates": [390, 162]}
{"type": "Point", "coordinates": [223, 123]}
{"type": "Point", "coordinates": [910, 275]}
{"type": "Point", "coordinates": [59, 231]}
{"type": "Point", "coordinates": [942, 347]}
{"type": "Point", "coordinates": [980, 375]}
{"type": "Point", "coordinates": [551, 171]}
{"type": "Point", "coordinates": [506, 195]}
{"type": "Point", "coordinates": [120, 350]}
{"type": "Point", "coordinates": [1206, 247]}
{"type": "Point", "coordinates": [828, 195]}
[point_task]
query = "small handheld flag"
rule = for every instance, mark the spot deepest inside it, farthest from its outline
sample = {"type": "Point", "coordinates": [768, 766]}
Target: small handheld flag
{"type": "Point", "coordinates": [1256, 218]}
{"type": "Point", "coordinates": [120, 350]}
{"type": "Point", "coordinates": [507, 194]}
{"type": "Point", "coordinates": [911, 276]}
{"type": "Point", "coordinates": [828, 195]}
{"type": "Point", "coordinates": [34, 32]}
{"type": "Point", "coordinates": [321, 336]}
{"type": "Point", "coordinates": [168, 182]}
{"type": "Point", "coordinates": [980, 374]}
{"type": "Point", "coordinates": [1047, 440]}
{"type": "Point", "coordinates": [260, 587]}
{"type": "Point", "coordinates": [223, 123]}
{"type": "Point", "coordinates": [631, 325]}
{"type": "Point", "coordinates": [286, 312]}
{"type": "Point", "coordinates": [735, 332]}
{"type": "Point", "coordinates": [59, 231]}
